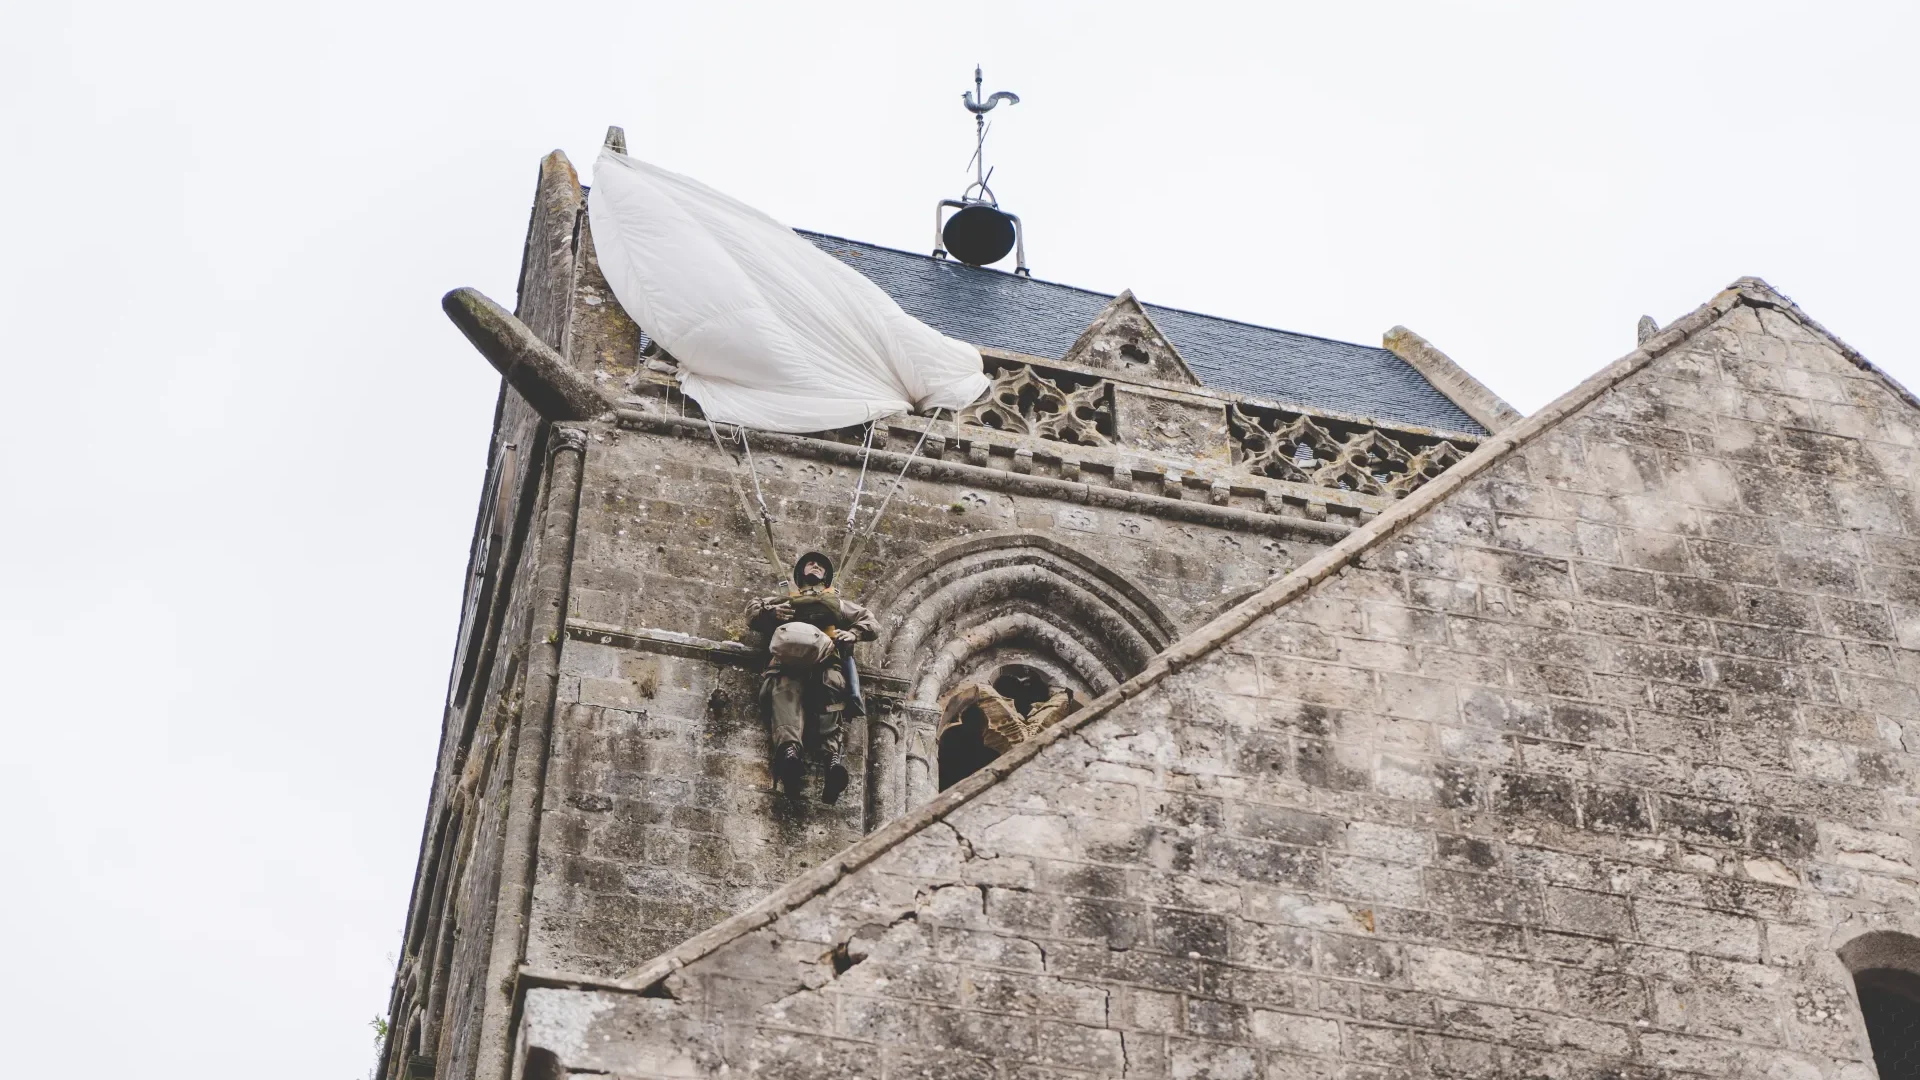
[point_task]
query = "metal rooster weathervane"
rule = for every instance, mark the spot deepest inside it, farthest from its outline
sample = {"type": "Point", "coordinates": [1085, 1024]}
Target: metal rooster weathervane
{"type": "Point", "coordinates": [979, 233]}
{"type": "Point", "coordinates": [980, 104]}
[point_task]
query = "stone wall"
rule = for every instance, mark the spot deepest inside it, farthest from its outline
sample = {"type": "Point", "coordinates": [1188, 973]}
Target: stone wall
{"type": "Point", "coordinates": [602, 791]}
{"type": "Point", "coordinates": [659, 818]}
{"type": "Point", "coordinates": [1587, 761]}
{"type": "Point", "coordinates": [665, 544]}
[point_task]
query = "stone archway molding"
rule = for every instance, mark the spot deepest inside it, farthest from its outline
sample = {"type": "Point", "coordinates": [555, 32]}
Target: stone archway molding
{"type": "Point", "coordinates": [1018, 627]}
{"type": "Point", "coordinates": [922, 603]}
{"type": "Point", "coordinates": [1021, 594]}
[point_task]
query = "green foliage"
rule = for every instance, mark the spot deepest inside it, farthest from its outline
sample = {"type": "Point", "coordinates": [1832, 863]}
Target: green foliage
{"type": "Point", "coordinates": [379, 1026]}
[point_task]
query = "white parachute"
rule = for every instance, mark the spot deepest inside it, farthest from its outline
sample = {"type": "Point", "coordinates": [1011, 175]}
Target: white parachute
{"type": "Point", "coordinates": [770, 331]}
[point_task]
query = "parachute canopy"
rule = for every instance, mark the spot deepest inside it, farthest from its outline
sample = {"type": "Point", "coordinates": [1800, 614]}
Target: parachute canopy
{"type": "Point", "coordinates": [770, 331]}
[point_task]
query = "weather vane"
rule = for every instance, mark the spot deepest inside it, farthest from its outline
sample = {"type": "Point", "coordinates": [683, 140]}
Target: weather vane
{"type": "Point", "coordinates": [979, 104]}
{"type": "Point", "coordinates": [980, 233]}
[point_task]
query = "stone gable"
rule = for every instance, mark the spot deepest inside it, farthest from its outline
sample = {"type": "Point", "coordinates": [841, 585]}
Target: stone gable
{"type": "Point", "coordinates": [1587, 760]}
{"type": "Point", "coordinates": [1123, 338]}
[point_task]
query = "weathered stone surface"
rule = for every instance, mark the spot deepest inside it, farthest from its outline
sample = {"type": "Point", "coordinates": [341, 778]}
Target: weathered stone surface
{"type": "Point", "coordinates": [1165, 423]}
{"type": "Point", "coordinates": [1123, 339]}
{"type": "Point", "coordinates": [1451, 379]}
{"type": "Point", "coordinates": [659, 818]}
{"type": "Point", "coordinates": [1557, 770]}
{"type": "Point", "coordinates": [539, 374]}
{"type": "Point", "coordinates": [602, 794]}
{"type": "Point", "coordinates": [1584, 756]}
{"type": "Point", "coordinates": [442, 1001]}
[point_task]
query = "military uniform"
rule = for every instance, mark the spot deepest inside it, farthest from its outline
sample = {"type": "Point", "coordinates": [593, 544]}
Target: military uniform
{"type": "Point", "coordinates": [803, 668]}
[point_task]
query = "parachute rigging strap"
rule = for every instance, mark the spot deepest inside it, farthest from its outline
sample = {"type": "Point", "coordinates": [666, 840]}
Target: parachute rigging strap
{"type": "Point", "coordinates": [860, 486]}
{"type": "Point", "coordinates": [857, 544]}
{"type": "Point", "coordinates": [766, 519]}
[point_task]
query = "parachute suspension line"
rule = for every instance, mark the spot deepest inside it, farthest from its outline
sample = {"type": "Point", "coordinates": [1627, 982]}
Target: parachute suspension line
{"type": "Point", "coordinates": [766, 519]}
{"type": "Point", "coordinates": [857, 546]}
{"type": "Point", "coordinates": [866, 452]}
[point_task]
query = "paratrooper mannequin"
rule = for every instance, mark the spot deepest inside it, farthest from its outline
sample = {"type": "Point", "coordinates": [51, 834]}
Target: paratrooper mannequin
{"type": "Point", "coordinates": [809, 629]}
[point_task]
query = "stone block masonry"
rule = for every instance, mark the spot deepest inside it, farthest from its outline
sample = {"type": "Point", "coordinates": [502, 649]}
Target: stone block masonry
{"type": "Point", "coordinates": [602, 792]}
{"type": "Point", "coordinates": [658, 817]}
{"type": "Point", "coordinates": [1591, 759]}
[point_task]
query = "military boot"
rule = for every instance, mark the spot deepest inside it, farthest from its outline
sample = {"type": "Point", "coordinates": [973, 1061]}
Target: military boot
{"type": "Point", "coordinates": [836, 781]}
{"type": "Point", "coordinates": [788, 767]}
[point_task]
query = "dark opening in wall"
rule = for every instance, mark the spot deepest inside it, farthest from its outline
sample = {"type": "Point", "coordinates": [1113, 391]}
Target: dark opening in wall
{"type": "Point", "coordinates": [1890, 1002]}
{"type": "Point", "coordinates": [962, 749]}
{"type": "Point", "coordinates": [1886, 976]}
{"type": "Point", "coordinates": [981, 721]}
{"type": "Point", "coordinates": [543, 1064]}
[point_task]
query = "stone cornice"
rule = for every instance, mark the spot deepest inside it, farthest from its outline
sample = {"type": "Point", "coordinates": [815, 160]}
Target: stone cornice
{"type": "Point", "coordinates": [1192, 454]}
{"type": "Point", "coordinates": [1095, 486]}
{"type": "Point", "coordinates": [1099, 464]}
{"type": "Point", "coordinates": [652, 384]}
{"type": "Point", "coordinates": [1452, 380]}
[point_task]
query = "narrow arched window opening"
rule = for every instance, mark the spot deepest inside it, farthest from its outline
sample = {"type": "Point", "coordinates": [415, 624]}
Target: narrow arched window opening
{"type": "Point", "coordinates": [1890, 1004]}
{"type": "Point", "coordinates": [963, 750]}
{"type": "Point", "coordinates": [979, 721]}
{"type": "Point", "coordinates": [1886, 977]}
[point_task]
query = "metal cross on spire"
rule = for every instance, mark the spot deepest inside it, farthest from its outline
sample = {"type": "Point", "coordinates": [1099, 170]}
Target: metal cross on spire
{"type": "Point", "coordinates": [979, 104]}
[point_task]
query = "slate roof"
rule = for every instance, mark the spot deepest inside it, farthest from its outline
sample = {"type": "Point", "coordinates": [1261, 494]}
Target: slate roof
{"type": "Point", "coordinates": [1041, 318]}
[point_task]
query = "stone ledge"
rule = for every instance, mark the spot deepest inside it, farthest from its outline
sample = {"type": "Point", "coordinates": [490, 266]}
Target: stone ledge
{"type": "Point", "coordinates": [1230, 518]}
{"type": "Point", "coordinates": [1204, 392]}
{"type": "Point", "coordinates": [690, 647]}
{"type": "Point", "coordinates": [671, 642]}
{"type": "Point", "coordinates": [1120, 465]}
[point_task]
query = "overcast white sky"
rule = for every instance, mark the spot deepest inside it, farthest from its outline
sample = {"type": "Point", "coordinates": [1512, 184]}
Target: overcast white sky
{"type": "Point", "coordinates": [242, 447]}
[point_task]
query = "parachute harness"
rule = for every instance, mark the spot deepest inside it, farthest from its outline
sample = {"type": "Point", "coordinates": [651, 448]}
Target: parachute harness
{"type": "Point", "coordinates": [860, 486]}
{"type": "Point", "coordinates": [766, 518]}
{"type": "Point", "coordinates": [856, 542]}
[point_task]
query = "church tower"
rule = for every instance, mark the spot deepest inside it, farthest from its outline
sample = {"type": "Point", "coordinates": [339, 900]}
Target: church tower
{"type": "Point", "coordinates": [603, 793]}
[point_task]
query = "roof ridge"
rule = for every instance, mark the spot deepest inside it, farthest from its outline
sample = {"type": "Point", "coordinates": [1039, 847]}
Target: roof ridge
{"type": "Point", "coordinates": [1758, 291]}
{"type": "Point", "coordinates": [1109, 297]}
{"type": "Point", "coordinates": [1191, 649]}
{"type": "Point", "coordinates": [1273, 329]}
